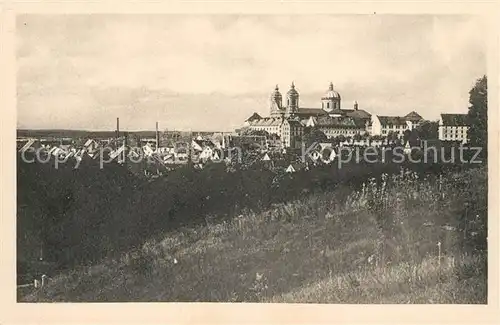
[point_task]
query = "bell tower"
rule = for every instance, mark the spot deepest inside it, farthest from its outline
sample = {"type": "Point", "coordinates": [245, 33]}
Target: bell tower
{"type": "Point", "coordinates": [276, 102]}
{"type": "Point", "coordinates": [292, 100]}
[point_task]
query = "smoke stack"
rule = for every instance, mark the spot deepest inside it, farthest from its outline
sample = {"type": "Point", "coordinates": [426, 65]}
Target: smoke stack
{"type": "Point", "coordinates": [117, 127]}
{"type": "Point", "coordinates": [355, 105]}
{"type": "Point", "coordinates": [157, 137]}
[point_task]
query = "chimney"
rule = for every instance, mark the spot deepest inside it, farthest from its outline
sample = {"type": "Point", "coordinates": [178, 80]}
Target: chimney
{"type": "Point", "coordinates": [157, 137]}
{"type": "Point", "coordinates": [117, 127]}
{"type": "Point", "coordinates": [355, 105]}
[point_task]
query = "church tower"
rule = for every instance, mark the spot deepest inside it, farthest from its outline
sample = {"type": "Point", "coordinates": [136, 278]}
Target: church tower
{"type": "Point", "coordinates": [331, 100]}
{"type": "Point", "coordinates": [292, 100]}
{"type": "Point", "coordinates": [276, 102]}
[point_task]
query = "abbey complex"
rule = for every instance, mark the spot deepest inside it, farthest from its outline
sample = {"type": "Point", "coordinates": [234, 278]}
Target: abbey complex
{"type": "Point", "coordinates": [287, 119]}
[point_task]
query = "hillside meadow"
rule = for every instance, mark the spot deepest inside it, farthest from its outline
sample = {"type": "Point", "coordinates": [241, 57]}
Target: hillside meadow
{"type": "Point", "coordinates": [396, 238]}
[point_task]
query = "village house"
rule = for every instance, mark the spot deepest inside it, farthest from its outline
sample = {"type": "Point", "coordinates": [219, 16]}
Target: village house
{"type": "Point", "coordinates": [296, 167]}
{"type": "Point", "coordinates": [453, 127]}
{"type": "Point", "coordinates": [383, 125]}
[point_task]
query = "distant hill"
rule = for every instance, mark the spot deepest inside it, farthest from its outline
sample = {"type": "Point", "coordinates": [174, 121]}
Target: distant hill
{"type": "Point", "coordinates": [59, 133]}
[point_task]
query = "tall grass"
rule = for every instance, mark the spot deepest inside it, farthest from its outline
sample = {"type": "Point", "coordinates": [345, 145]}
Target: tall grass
{"type": "Point", "coordinates": [398, 239]}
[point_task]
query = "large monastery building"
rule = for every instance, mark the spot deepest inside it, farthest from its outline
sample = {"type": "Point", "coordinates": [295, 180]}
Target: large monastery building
{"type": "Point", "coordinates": [287, 119]}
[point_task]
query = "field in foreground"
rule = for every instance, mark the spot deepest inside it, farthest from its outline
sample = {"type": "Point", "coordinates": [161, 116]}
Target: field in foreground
{"type": "Point", "coordinates": [400, 239]}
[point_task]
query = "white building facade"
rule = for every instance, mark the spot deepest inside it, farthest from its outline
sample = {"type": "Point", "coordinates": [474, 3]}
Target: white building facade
{"type": "Point", "coordinates": [453, 127]}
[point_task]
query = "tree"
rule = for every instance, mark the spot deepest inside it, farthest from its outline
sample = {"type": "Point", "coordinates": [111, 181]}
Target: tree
{"type": "Point", "coordinates": [414, 138]}
{"type": "Point", "coordinates": [313, 136]}
{"type": "Point", "coordinates": [274, 136]}
{"type": "Point", "coordinates": [428, 130]}
{"type": "Point", "coordinates": [406, 136]}
{"type": "Point", "coordinates": [392, 136]}
{"type": "Point", "coordinates": [259, 133]}
{"type": "Point", "coordinates": [477, 115]}
{"type": "Point", "coordinates": [308, 129]}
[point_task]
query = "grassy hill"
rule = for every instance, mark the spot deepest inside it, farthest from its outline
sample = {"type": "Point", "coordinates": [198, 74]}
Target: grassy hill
{"type": "Point", "coordinates": [398, 239]}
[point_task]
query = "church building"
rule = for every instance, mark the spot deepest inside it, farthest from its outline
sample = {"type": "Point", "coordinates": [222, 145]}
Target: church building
{"type": "Point", "coordinates": [289, 120]}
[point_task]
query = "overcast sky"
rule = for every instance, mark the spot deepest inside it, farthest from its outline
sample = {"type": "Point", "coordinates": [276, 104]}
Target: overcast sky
{"type": "Point", "coordinates": [212, 72]}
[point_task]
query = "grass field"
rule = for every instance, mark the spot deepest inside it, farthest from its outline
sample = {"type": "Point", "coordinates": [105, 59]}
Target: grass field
{"type": "Point", "coordinates": [400, 239]}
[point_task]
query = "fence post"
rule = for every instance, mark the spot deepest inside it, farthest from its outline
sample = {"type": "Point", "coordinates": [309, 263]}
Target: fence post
{"type": "Point", "coordinates": [439, 255]}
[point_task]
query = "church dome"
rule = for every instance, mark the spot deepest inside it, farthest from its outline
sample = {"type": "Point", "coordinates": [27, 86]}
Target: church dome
{"type": "Point", "coordinates": [292, 91]}
{"type": "Point", "coordinates": [276, 93]}
{"type": "Point", "coordinates": [331, 93]}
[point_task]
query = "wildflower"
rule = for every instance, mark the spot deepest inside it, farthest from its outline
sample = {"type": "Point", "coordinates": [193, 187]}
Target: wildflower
{"type": "Point", "coordinates": [371, 258]}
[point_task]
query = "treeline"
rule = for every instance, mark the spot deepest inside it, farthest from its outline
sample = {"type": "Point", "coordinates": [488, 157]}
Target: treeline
{"type": "Point", "coordinates": [78, 216]}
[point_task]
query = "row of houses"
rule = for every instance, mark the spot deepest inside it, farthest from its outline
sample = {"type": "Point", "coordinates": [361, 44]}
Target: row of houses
{"type": "Point", "coordinates": [179, 152]}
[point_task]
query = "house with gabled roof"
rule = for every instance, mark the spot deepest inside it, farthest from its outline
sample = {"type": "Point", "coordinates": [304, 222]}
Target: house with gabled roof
{"type": "Point", "coordinates": [91, 144]}
{"type": "Point", "coordinates": [215, 155]}
{"type": "Point", "coordinates": [453, 127]}
{"type": "Point", "coordinates": [336, 126]}
{"type": "Point", "coordinates": [295, 167]}
{"type": "Point", "coordinates": [148, 150]}
{"type": "Point", "coordinates": [413, 119]}
{"type": "Point", "coordinates": [206, 153]}
{"type": "Point", "coordinates": [383, 125]}
{"type": "Point", "coordinates": [266, 157]}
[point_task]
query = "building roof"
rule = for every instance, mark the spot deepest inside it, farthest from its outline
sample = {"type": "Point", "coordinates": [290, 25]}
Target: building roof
{"type": "Point", "coordinates": [295, 167]}
{"type": "Point", "coordinates": [357, 113]}
{"type": "Point", "coordinates": [89, 142]}
{"type": "Point", "coordinates": [341, 122]}
{"type": "Point", "coordinates": [331, 93]}
{"type": "Point", "coordinates": [303, 112]}
{"type": "Point", "coordinates": [337, 111]}
{"type": "Point", "coordinates": [310, 111]}
{"type": "Point", "coordinates": [276, 93]}
{"type": "Point", "coordinates": [413, 116]}
{"type": "Point", "coordinates": [254, 116]}
{"type": "Point", "coordinates": [292, 91]}
{"type": "Point", "coordinates": [294, 122]}
{"type": "Point", "coordinates": [392, 120]}
{"type": "Point", "coordinates": [266, 121]}
{"type": "Point", "coordinates": [454, 119]}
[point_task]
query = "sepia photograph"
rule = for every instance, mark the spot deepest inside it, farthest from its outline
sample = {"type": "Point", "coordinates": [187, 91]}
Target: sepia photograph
{"type": "Point", "coordinates": [252, 158]}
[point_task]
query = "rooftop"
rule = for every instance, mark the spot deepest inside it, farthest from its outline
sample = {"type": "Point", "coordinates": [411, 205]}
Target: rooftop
{"type": "Point", "coordinates": [454, 119]}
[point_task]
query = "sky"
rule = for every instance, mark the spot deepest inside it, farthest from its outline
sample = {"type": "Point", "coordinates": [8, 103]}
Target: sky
{"type": "Point", "coordinates": [211, 72]}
